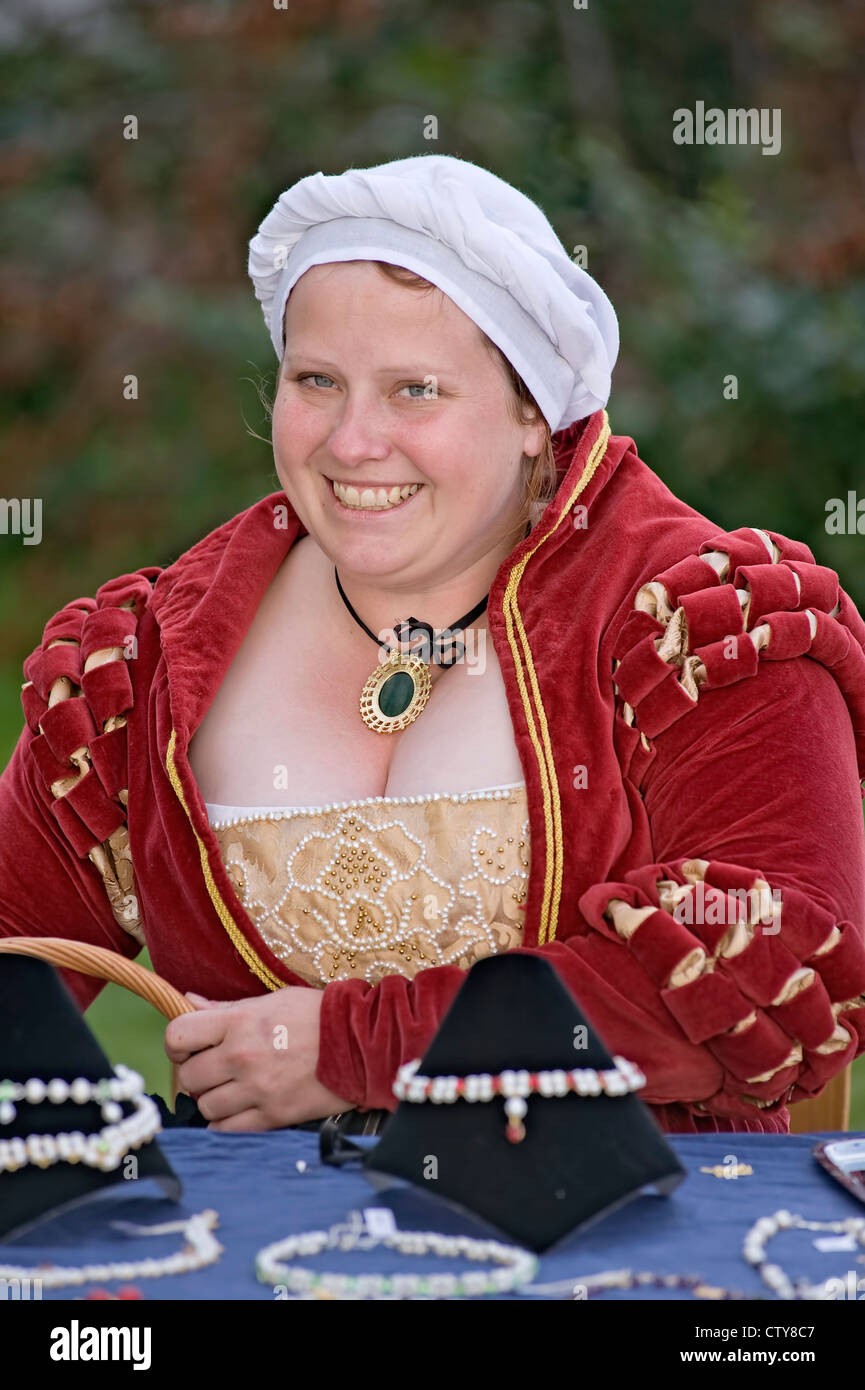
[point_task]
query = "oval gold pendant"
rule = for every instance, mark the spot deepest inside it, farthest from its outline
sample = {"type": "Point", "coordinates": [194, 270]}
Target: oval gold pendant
{"type": "Point", "coordinates": [395, 693]}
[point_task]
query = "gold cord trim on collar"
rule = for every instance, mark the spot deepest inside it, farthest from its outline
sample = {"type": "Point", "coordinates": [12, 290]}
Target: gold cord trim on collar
{"type": "Point", "coordinates": [239, 941]}
{"type": "Point", "coordinates": [554, 856]}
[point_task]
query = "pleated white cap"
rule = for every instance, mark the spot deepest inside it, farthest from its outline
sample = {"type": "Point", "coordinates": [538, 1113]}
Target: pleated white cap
{"type": "Point", "coordinates": [480, 240]}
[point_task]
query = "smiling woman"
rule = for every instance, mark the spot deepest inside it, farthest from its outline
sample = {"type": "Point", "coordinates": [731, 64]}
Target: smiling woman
{"type": "Point", "coordinates": [539, 472]}
{"type": "Point", "coordinates": [471, 681]}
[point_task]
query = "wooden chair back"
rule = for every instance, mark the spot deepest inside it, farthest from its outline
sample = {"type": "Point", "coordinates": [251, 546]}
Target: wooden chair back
{"type": "Point", "coordinates": [829, 1110]}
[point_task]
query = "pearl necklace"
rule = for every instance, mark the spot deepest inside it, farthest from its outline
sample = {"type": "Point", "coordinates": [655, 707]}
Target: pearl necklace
{"type": "Point", "coordinates": [519, 1265]}
{"type": "Point", "coordinates": [624, 1078]}
{"type": "Point", "coordinates": [201, 1248]}
{"type": "Point", "coordinates": [105, 1149]}
{"type": "Point", "coordinates": [773, 1276]}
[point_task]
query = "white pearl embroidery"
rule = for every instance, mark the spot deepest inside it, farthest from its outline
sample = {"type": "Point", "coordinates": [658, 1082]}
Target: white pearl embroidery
{"type": "Point", "coordinates": [284, 813]}
{"type": "Point", "coordinates": [351, 897]}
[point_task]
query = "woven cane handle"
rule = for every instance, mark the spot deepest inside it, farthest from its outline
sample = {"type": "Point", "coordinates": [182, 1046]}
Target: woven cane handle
{"type": "Point", "coordinates": [105, 965]}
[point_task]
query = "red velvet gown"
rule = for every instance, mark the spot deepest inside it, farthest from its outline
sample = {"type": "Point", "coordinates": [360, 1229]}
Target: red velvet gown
{"type": "Point", "coordinates": [712, 685]}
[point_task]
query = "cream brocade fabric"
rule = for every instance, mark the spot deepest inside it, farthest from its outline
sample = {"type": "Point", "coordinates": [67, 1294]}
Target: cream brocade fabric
{"type": "Point", "coordinates": [386, 886]}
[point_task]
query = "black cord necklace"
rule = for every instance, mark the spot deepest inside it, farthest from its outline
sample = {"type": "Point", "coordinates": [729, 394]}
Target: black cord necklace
{"type": "Point", "coordinates": [398, 689]}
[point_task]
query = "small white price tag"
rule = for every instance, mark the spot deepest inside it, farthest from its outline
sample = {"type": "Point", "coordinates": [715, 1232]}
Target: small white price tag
{"type": "Point", "coordinates": [379, 1221]}
{"type": "Point", "coordinates": [829, 1243]}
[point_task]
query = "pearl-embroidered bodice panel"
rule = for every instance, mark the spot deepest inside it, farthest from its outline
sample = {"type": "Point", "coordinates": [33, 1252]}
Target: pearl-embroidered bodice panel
{"type": "Point", "coordinates": [383, 886]}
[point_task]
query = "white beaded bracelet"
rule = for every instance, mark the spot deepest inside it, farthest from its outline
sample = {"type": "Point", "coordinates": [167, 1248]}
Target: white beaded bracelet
{"type": "Point", "coordinates": [624, 1078]}
{"type": "Point", "coordinates": [519, 1265]}
{"type": "Point", "coordinates": [105, 1149]}
{"type": "Point", "coordinates": [201, 1248]}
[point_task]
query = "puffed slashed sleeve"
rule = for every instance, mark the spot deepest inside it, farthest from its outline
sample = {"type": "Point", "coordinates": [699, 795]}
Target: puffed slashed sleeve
{"type": "Point", "coordinates": [64, 865]}
{"type": "Point", "coordinates": [742, 679]}
{"type": "Point", "coordinates": [732, 968]}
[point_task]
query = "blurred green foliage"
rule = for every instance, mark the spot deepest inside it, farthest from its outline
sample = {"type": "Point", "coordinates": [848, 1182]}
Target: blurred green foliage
{"type": "Point", "coordinates": [127, 257]}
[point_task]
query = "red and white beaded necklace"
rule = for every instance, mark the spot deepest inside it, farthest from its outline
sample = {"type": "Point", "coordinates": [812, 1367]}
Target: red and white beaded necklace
{"type": "Point", "coordinates": [622, 1079]}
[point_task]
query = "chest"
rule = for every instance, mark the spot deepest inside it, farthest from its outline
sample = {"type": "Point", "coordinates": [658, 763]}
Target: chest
{"type": "Point", "coordinates": [285, 729]}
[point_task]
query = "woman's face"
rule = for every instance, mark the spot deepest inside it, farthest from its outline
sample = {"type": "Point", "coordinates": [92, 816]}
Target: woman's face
{"type": "Point", "coordinates": [384, 387]}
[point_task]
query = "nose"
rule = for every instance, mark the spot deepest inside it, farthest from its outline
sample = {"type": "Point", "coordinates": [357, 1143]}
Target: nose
{"type": "Point", "coordinates": [357, 435]}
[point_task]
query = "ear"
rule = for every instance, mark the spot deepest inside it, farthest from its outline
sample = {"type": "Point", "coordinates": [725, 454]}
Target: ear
{"type": "Point", "coordinates": [535, 437]}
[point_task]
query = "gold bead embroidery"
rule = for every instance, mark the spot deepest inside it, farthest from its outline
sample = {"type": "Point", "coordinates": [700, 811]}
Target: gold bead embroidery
{"type": "Point", "coordinates": [458, 904]}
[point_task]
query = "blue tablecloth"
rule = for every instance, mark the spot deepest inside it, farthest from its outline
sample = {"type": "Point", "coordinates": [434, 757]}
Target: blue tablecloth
{"type": "Point", "coordinates": [253, 1182]}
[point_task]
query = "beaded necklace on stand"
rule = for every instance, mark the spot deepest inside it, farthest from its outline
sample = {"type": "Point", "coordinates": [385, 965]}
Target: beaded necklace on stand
{"type": "Point", "coordinates": [621, 1079]}
{"type": "Point", "coordinates": [105, 1149]}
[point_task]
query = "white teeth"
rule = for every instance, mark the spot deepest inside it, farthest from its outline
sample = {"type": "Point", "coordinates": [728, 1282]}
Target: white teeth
{"type": "Point", "coordinates": [374, 499]}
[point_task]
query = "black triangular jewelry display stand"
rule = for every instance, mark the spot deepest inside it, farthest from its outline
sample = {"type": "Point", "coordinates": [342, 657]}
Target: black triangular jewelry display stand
{"type": "Point", "coordinates": [581, 1157]}
{"type": "Point", "coordinates": [43, 1035]}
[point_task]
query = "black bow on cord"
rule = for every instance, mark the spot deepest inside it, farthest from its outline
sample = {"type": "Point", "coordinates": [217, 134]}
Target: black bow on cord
{"type": "Point", "coordinates": [434, 646]}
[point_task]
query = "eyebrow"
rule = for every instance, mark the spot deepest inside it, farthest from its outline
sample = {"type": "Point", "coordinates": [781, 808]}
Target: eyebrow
{"type": "Point", "coordinates": [310, 358]}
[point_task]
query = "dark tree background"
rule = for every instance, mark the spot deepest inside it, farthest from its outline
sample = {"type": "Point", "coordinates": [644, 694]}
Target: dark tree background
{"type": "Point", "coordinates": [128, 256]}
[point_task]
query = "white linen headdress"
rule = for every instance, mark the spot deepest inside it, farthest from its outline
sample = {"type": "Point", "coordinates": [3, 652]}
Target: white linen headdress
{"type": "Point", "coordinates": [485, 244]}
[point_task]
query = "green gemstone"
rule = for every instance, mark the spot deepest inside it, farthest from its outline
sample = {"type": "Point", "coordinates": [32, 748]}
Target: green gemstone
{"type": "Point", "coordinates": [396, 694]}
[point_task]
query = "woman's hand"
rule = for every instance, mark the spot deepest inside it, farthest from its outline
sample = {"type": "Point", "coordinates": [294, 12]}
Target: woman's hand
{"type": "Point", "coordinates": [250, 1063]}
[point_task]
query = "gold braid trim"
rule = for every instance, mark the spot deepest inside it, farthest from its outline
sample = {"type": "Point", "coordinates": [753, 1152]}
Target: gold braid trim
{"type": "Point", "coordinates": [554, 856]}
{"type": "Point", "coordinates": [241, 945]}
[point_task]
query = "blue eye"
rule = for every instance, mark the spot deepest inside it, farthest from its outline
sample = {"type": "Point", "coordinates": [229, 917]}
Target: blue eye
{"type": "Point", "coordinates": [313, 376]}
{"type": "Point", "coordinates": [421, 386]}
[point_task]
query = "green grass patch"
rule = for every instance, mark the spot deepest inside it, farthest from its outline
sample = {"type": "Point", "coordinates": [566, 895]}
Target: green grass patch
{"type": "Point", "coordinates": [132, 1031]}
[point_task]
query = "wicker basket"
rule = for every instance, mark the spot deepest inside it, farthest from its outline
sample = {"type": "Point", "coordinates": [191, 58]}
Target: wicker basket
{"type": "Point", "coordinates": [104, 965]}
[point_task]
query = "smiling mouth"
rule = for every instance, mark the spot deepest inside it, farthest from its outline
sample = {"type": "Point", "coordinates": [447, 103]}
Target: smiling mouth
{"type": "Point", "coordinates": [379, 499]}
